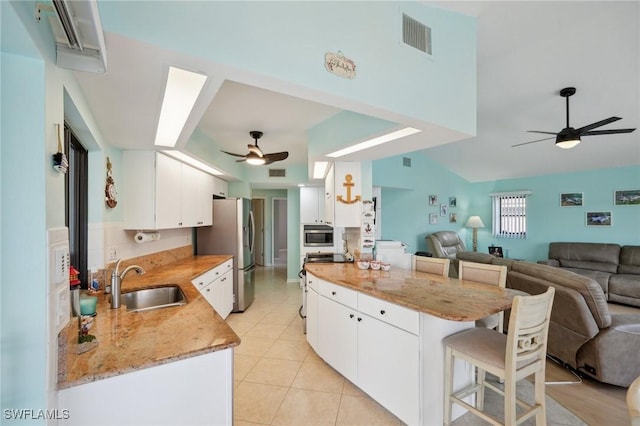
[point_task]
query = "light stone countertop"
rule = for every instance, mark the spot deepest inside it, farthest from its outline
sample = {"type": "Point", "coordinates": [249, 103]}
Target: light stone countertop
{"type": "Point", "coordinates": [443, 297]}
{"type": "Point", "coordinates": [130, 341]}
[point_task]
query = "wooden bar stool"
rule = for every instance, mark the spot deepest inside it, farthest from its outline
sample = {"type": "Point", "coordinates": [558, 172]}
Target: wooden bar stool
{"type": "Point", "coordinates": [486, 274]}
{"type": "Point", "coordinates": [512, 357]}
{"type": "Point", "coordinates": [431, 265]}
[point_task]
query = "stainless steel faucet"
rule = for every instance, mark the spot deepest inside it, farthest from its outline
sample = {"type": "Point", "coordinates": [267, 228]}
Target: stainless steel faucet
{"type": "Point", "coordinates": [116, 281]}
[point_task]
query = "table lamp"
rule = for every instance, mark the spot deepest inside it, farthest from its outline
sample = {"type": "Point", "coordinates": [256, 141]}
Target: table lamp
{"type": "Point", "coordinates": [475, 222]}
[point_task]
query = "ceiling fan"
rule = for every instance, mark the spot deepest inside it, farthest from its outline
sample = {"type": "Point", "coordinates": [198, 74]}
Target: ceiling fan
{"type": "Point", "coordinates": [570, 137]}
{"type": "Point", "coordinates": [255, 156]}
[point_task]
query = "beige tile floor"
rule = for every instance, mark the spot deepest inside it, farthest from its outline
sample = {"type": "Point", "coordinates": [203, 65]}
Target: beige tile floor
{"type": "Point", "coordinates": [278, 379]}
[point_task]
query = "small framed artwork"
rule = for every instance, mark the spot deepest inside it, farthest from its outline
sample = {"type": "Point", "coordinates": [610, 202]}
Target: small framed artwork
{"type": "Point", "coordinates": [453, 217]}
{"type": "Point", "coordinates": [443, 209]}
{"type": "Point", "coordinates": [598, 218]}
{"type": "Point", "coordinates": [433, 218]}
{"type": "Point", "coordinates": [433, 200]}
{"type": "Point", "coordinates": [571, 199]}
{"type": "Point", "coordinates": [626, 198]}
{"type": "Point", "coordinates": [496, 251]}
{"type": "Point", "coordinates": [453, 202]}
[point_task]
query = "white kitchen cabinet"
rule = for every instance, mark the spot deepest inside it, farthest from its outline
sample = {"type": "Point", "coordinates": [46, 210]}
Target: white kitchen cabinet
{"type": "Point", "coordinates": [312, 204]}
{"type": "Point", "coordinates": [312, 311]}
{"type": "Point", "coordinates": [343, 180]}
{"type": "Point", "coordinates": [216, 285]}
{"type": "Point", "coordinates": [201, 386]}
{"type": "Point", "coordinates": [220, 187]}
{"type": "Point", "coordinates": [160, 192]}
{"type": "Point", "coordinates": [388, 371]}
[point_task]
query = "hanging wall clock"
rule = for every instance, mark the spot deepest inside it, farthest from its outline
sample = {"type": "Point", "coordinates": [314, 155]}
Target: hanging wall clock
{"type": "Point", "coordinates": [110, 189]}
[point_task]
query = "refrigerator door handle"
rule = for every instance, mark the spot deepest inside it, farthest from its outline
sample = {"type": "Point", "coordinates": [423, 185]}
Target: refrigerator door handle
{"type": "Point", "coordinates": [252, 231]}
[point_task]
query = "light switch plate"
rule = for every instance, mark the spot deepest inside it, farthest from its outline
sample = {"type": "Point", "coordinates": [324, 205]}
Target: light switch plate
{"type": "Point", "coordinates": [63, 308]}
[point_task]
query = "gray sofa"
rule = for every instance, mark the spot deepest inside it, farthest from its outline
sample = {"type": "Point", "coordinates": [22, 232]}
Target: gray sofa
{"type": "Point", "coordinates": [616, 268]}
{"type": "Point", "coordinates": [582, 333]}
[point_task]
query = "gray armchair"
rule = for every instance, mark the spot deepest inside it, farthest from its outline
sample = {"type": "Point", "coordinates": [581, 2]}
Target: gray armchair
{"type": "Point", "coordinates": [446, 244]}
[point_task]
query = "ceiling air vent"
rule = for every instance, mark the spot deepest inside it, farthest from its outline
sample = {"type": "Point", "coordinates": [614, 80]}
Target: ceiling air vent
{"type": "Point", "coordinates": [277, 173]}
{"type": "Point", "coordinates": [416, 34]}
{"type": "Point", "coordinates": [406, 161]}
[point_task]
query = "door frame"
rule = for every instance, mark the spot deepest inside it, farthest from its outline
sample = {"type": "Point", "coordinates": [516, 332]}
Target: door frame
{"type": "Point", "coordinates": [263, 230]}
{"type": "Point", "coordinates": [273, 222]}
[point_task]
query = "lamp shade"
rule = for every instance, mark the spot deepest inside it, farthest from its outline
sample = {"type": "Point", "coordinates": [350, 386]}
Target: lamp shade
{"type": "Point", "coordinates": [474, 222]}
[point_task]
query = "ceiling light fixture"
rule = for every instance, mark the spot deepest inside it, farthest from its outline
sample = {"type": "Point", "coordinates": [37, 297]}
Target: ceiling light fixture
{"type": "Point", "coordinates": [181, 156]}
{"type": "Point", "coordinates": [255, 159]}
{"type": "Point", "coordinates": [180, 95]}
{"type": "Point", "coordinates": [407, 131]}
{"type": "Point", "coordinates": [567, 141]}
{"type": "Point", "coordinates": [319, 169]}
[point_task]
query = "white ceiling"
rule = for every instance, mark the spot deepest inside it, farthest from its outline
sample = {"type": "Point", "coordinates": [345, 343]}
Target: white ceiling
{"type": "Point", "coordinates": [527, 52]}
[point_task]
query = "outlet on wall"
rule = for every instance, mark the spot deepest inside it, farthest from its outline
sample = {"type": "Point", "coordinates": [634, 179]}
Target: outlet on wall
{"type": "Point", "coordinates": [112, 252]}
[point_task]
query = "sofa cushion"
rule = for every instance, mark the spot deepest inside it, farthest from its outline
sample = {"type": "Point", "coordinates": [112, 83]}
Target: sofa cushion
{"type": "Point", "coordinates": [587, 287]}
{"type": "Point", "coordinates": [629, 260]}
{"type": "Point", "coordinates": [471, 256]}
{"type": "Point", "coordinates": [592, 256]}
{"type": "Point", "coordinates": [625, 285]}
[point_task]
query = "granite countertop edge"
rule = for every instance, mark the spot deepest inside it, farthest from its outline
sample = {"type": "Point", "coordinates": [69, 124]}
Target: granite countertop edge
{"type": "Point", "coordinates": [123, 327]}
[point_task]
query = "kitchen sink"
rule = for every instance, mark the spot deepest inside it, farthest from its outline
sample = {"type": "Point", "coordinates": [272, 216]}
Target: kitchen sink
{"type": "Point", "coordinates": [146, 299]}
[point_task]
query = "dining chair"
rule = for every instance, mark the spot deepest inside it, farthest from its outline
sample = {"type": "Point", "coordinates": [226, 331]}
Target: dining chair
{"type": "Point", "coordinates": [431, 265]}
{"type": "Point", "coordinates": [486, 274]}
{"type": "Point", "coordinates": [633, 402]}
{"type": "Point", "coordinates": [512, 357]}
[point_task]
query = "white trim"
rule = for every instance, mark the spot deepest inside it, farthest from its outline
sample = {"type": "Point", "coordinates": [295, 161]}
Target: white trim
{"type": "Point", "coordinates": [510, 194]}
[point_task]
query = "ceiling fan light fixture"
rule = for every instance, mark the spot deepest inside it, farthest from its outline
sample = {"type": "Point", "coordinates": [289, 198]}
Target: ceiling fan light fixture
{"type": "Point", "coordinates": [255, 160]}
{"type": "Point", "coordinates": [567, 142]}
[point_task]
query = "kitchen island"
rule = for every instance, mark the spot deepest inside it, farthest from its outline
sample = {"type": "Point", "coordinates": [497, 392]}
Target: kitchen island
{"type": "Point", "coordinates": [148, 363]}
{"type": "Point", "coordinates": [383, 331]}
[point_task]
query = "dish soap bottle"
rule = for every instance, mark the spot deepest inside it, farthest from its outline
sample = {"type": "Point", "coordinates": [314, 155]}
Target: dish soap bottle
{"type": "Point", "coordinates": [95, 285]}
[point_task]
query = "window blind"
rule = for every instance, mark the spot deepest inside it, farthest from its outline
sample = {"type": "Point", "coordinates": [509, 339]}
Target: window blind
{"type": "Point", "coordinates": [509, 214]}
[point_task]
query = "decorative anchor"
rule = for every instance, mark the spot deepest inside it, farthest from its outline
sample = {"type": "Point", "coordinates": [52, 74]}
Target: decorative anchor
{"type": "Point", "coordinates": [348, 184]}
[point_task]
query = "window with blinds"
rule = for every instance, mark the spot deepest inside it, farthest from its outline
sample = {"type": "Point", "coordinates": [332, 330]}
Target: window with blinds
{"type": "Point", "coordinates": [510, 214]}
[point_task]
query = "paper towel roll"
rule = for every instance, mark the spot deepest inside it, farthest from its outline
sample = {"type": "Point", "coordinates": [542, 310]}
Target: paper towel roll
{"type": "Point", "coordinates": [145, 237]}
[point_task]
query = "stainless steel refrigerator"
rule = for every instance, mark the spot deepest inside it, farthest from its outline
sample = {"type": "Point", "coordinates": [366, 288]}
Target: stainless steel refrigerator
{"type": "Point", "coordinates": [232, 232]}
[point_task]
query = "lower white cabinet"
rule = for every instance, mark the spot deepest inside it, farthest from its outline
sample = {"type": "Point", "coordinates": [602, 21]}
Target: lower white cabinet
{"type": "Point", "coordinates": [338, 337]}
{"type": "Point", "coordinates": [312, 311]}
{"type": "Point", "coordinates": [216, 285]}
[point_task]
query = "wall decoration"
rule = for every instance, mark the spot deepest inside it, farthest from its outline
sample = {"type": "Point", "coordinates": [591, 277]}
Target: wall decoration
{"type": "Point", "coordinates": [433, 200]}
{"type": "Point", "coordinates": [443, 209]}
{"type": "Point", "coordinates": [340, 65]}
{"type": "Point", "coordinates": [626, 198]}
{"type": "Point", "coordinates": [598, 218]}
{"type": "Point", "coordinates": [110, 189]}
{"type": "Point", "coordinates": [60, 162]}
{"type": "Point", "coordinates": [571, 199]}
{"type": "Point", "coordinates": [453, 202]}
{"type": "Point", "coordinates": [433, 218]}
{"type": "Point", "coordinates": [453, 217]}
{"type": "Point", "coordinates": [348, 184]}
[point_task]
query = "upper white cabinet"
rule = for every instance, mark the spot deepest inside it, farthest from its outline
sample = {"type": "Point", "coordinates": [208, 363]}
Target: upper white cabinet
{"type": "Point", "coordinates": [312, 204]}
{"type": "Point", "coordinates": [343, 186]}
{"type": "Point", "coordinates": [220, 187]}
{"type": "Point", "coordinates": [162, 193]}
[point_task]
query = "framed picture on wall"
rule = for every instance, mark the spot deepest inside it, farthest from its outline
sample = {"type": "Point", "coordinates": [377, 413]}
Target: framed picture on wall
{"type": "Point", "coordinates": [598, 218]}
{"type": "Point", "coordinates": [443, 209]}
{"type": "Point", "coordinates": [433, 200]}
{"type": "Point", "coordinates": [453, 217]}
{"type": "Point", "coordinates": [453, 202]}
{"type": "Point", "coordinates": [433, 218]}
{"type": "Point", "coordinates": [571, 199]}
{"type": "Point", "coordinates": [626, 198]}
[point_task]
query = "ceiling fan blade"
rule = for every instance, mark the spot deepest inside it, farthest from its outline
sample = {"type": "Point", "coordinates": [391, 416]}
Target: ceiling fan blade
{"type": "Point", "coordinates": [607, 132]}
{"type": "Point", "coordinates": [255, 149]}
{"type": "Point", "coordinates": [539, 131]}
{"type": "Point", "coordinates": [235, 155]}
{"type": "Point", "coordinates": [588, 127]}
{"type": "Point", "coordinates": [527, 143]}
{"type": "Point", "coordinates": [276, 156]}
{"type": "Point", "coordinates": [241, 160]}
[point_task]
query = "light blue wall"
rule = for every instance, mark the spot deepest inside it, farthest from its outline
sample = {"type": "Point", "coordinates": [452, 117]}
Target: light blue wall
{"type": "Point", "coordinates": [288, 41]}
{"type": "Point", "coordinates": [293, 234]}
{"type": "Point", "coordinates": [23, 223]}
{"type": "Point", "coordinates": [548, 222]}
{"type": "Point", "coordinates": [405, 205]}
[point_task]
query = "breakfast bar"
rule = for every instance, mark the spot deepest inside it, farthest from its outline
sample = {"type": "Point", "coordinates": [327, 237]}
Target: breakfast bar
{"type": "Point", "coordinates": [383, 330]}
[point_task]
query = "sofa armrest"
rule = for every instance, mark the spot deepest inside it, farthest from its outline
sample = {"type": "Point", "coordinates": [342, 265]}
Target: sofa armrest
{"type": "Point", "coordinates": [549, 262]}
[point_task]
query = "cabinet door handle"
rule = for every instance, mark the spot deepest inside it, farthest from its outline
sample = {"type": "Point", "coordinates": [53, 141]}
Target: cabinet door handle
{"type": "Point", "coordinates": [351, 315]}
{"type": "Point", "coordinates": [359, 319]}
{"type": "Point", "coordinates": [382, 312]}
{"type": "Point", "coordinates": [333, 293]}
{"type": "Point", "coordinates": [208, 290]}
